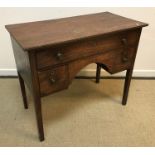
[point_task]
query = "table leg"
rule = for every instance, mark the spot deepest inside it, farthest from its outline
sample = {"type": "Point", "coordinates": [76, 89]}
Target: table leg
{"type": "Point", "coordinates": [36, 96]}
{"type": "Point", "coordinates": [98, 73]}
{"type": "Point", "coordinates": [22, 86]}
{"type": "Point", "coordinates": [38, 111]}
{"type": "Point", "coordinates": [126, 86]}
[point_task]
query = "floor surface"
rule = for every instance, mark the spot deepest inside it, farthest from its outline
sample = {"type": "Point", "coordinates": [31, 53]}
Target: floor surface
{"type": "Point", "coordinates": [86, 114]}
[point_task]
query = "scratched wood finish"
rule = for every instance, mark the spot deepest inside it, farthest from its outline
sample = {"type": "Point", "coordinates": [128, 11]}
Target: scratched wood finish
{"type": "Point", "coordinates": [49, 54]}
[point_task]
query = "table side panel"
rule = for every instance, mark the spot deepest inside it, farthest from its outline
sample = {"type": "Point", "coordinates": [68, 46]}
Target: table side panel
{"type": "Point", "coordinates": [22, 63]}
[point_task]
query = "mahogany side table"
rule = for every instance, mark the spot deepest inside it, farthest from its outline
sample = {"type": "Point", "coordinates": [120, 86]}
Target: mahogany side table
{"type": "Point", "coordinates": [49, 53]}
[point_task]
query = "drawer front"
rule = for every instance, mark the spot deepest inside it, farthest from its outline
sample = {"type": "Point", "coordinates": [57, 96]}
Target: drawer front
{"type": "Point", "coordinates": [81, 49]}
{"type": "Point", "coordinates": [112, 61]}
{"type": "Point", "coordinates": [53, 80]}
{"type": "Point", "coordinates": [121, 60]}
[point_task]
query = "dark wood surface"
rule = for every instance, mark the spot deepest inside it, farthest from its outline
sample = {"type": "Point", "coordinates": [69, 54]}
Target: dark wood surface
{"type": "Point", "coordinates": [50, 32]}
{"type": "Point", "coordinates": [36, 96]}
{"type": "Point", "coordinates": [53, 80]}
{"type": "Point", "coordinates": [49, 54]}
{"type": "Point", "coordinates": [98, 73]}
{"type": "Point", "coordinates": [22, 63]}
{"type": "Point", "coordinates": [23, 91]}
{"type": "Point", "coordinates": [80, 49]}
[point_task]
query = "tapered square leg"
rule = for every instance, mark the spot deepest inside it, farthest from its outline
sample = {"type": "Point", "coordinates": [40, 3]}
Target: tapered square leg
{"type": "Point", "coordinates": [98, 73]}
{"type": "Point", "coordinates": [22, 86]}
{"type": "Point", "coordinates": [126, 86]}
{"type": "Point", "coordinates": [38, 111]}
{"type": "Point", "coordinates": [36, 97]}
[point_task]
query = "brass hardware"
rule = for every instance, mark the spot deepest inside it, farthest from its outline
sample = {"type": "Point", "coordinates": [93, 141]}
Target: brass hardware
{"type": "Point", "coordinates": [124, 59]}
{"type": "Point", "coordinates": [59, 56]}
{"type": "Point", "coordinates": [52, 76]}
{"type": "Point", "coordinates": [52, 80]}
{"type": "Point", "coordinates": [124, 42]}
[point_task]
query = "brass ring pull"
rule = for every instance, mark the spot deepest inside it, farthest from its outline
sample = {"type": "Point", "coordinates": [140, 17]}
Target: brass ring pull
{"type": "Point", "coordinates": [124, 42]}
{"type": "Point", "coordinates": [59, 56]}
{"type": "Point", "coordinates": [52, 77]}
{"type": "Point", "coordinates": [52, 80]}
{"type": "Point", "coordinates": [124, 59]}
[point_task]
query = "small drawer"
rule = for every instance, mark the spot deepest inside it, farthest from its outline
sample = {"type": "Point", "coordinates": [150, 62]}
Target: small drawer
{"type": "Point", "coordinates": [84, 48]}
{"type": "Point", "coordinates": [122, 60]}
{"type": "Point", "coordinates": [53, 80]}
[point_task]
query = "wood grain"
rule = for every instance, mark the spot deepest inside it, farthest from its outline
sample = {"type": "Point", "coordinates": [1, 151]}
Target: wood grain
{"type": "Point", "coordinates": [80, 49]}
{"type": "Point", "coordinates": [49, 54]}
{"type": "Point", "coordinates": [50, 32]}
{"type": "Point", "coordinates": [53, 80]}
{"type": "Point", "coordinates": [22, 63]}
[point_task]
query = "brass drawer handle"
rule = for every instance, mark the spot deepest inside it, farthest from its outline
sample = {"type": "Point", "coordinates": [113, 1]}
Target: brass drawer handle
{"type": "Point", "coordinates": [52, 80]}
{"type": "Point", "coordinates": [124, 42]}
{"type": "Point", "coordinates": [125, 59]}
{"type": "Point", "coordinates": [52, 77]}
{"type": "Point", "coordinates": [125, 50]}
{"type": "Point", "coordinates": [59, 56]}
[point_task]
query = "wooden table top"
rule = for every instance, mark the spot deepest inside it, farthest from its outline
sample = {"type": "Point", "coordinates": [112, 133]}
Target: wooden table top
{"type": "Point", "coordinates": [39, 34]}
